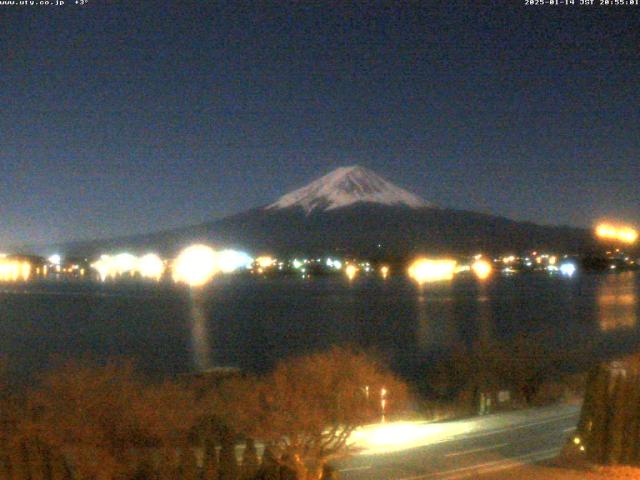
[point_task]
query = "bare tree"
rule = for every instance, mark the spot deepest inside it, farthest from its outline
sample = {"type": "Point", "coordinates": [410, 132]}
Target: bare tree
{"type": "Point", "coordinates": [309, 406]}
{"type": "Point", "coordinates": [104, 423]}
{"type": "Point", "coordinates": [101, 418]}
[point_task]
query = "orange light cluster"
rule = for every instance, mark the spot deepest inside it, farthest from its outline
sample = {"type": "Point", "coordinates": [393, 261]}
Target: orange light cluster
{"type": "Point", "coordinates": [482, 269]}
{"type": "Point", "coordinates": [114, 266]}
{"type": "Point", "coordinates": [265, 261]}
{"type": "Point", "coordinates": [195, 266]}
{"type": "Point", "coordinates": [384, 271]}
{"type": "Point", "coordinates": [351, 271]}
{"type": "Point", "coordinates": [425, 270]}
{"type": "Point", "coordinates": [624, 234]}
{"type": "Point", "coordinates": [12, 270]}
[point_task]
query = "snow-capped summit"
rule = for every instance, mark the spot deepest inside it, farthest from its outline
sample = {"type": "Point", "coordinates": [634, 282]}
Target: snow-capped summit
{"type": "Point", "coordinates": [346, 186]}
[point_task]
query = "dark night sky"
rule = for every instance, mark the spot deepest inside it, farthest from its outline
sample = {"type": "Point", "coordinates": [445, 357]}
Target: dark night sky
{"type": "Point", "coordinates": [124, 117]}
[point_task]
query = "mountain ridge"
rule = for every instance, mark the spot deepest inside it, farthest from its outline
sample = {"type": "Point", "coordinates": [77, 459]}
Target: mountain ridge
{"type": "Point", "coordinates": [354, 211]}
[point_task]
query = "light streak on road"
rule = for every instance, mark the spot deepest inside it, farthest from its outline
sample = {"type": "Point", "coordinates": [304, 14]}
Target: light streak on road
{"type": "Point", "coordinates": [476, 450]}
{"type": "Point", "coordinates": [460, 449]}
{"type": "Point", "coordinates": [494, 466]}
{"type": "Point", "coordinates": [397, 436]}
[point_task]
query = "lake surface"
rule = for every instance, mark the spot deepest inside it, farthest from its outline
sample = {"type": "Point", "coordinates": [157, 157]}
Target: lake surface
{"type": "Point", "coordinates": [252, 322]}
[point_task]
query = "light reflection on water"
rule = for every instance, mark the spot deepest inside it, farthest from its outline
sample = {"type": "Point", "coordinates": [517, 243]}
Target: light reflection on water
{"type": "Point", "coordinates": [375, 315]}
{"type": "Point", "coordinates": [485, 317]}
{"type": "Point", "coordinates": [253, 323]}
{"type": "Point", "coordinates": [434, 312]}
{"type": "Point", "coordinates": [201, 346]}
{"type": "Point", "coordinates": [617, 302]}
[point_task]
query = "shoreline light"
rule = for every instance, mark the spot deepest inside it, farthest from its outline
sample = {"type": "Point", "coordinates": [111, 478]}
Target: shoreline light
{"type": "Point", "coordinates": [624, 234]}
{"type": "Point", "coordinates": [104, 267]}
{"type": "Point", "coordinates": [13, 270]}
{"type": "Point", "coordinates": [231, 260]}
{"type": "Point", "coordinates": [425, 270]}
{"type": "Point", "coordinates": [482, 269]}
{"type": "Point", "coordinates": [125, 263]}
{"type": "Point", "coordinates": [151, 266]}
{"type": "Point", "coordinates": [265, 261]}
{"type": "Point", "coordinates": [351, 271]}
{"type": "Point", "coordinates": [568, 269]}
{"type": "Point", "coordinates": [114, 266]}
{"type": "Point", "coordinates": [196, 265]}
{"type": "Point", "coordinates": [384, 271]}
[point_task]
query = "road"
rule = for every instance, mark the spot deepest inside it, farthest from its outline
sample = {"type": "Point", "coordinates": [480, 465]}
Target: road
{"type": "Point", "coordinates": [460, 449]}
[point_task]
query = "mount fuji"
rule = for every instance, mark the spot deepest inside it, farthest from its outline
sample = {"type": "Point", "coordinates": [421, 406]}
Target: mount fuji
{"type": "Point", "coordinates": [348, 186]}
{"type": "Point", "coordinates": [352, 210]}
